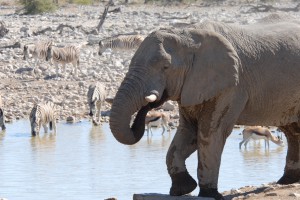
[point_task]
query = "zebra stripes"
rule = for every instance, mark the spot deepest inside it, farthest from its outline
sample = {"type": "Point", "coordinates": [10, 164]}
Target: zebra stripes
{"type": "Point", "coordinates": [41, 115]}
{"type": "Point", "coordinates": [37, 50]}
{"type": "Point", "coordinates": [64, 55]}
{"type": "Point", "coordinates": [96, 96]}
{"type": "Point", "coordinates": [2, 118]}
{"type": "Point", "coordinates": [120, 42]}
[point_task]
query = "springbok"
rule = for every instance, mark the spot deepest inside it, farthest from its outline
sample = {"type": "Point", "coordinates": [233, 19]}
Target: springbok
{"type": "Point", "coordinates": [156, 118]}
{"type": "Point", "coordinates": [257, 133]}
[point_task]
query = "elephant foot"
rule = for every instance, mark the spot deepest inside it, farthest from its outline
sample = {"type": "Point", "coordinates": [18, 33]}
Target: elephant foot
{"type": "Point", "coordinates": [289, 178]}
{"type": "Point", "coordinates": [182, 183]}
{"type": "Point", "coordinates": [210, 192]}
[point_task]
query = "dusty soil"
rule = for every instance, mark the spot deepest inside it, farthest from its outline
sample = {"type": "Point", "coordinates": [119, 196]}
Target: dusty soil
{"type": "Point", "coordinates": [268, 192]}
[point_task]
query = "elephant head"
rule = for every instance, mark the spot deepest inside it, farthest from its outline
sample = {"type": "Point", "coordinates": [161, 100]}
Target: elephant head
{"type": "Point", "coordinates": [186, 66]}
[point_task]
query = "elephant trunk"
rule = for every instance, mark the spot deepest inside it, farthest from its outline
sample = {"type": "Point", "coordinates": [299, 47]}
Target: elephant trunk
{"type": "Point", "coordinates": [126, 102]}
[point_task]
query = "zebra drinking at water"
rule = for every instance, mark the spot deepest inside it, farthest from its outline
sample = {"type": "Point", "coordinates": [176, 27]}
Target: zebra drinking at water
{"type": "Point", "coordinates": [120, 42]}
{"type": "Point", "coordinates": [41, 115]}
{"type": "Point", "coordinates": [64, 55]}
{"type": "Point", "coordinates": [2, 119]}
{"type": "Point", "coordinates": [96, 96]}
{"type": "Point", "coordinates": [38, 51]}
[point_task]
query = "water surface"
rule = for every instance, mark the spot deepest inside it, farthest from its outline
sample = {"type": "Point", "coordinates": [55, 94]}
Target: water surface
{"type": "Point", "coordinates": [86, 162]}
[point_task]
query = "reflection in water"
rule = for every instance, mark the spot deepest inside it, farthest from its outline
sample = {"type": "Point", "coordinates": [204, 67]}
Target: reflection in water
{"type": "Point", "coordinates": [83, 161]}
{"type": "Point", "coordinates": [43, 141]}
{"type": "Point", "coordinates": [2, 135]}
{"type": "Point", "coordinates": [96, 134]}
{"type": "Point", "coordinates": [164, 141]}
{"type": "Point", "coordinates": [258, 152]}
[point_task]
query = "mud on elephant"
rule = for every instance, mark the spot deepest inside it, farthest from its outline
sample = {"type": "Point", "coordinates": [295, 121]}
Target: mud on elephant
{"type": "Point", "coordinates": [220, 75]}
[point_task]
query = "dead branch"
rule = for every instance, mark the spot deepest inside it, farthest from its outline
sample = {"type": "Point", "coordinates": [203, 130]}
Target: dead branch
{"type": "Point", "coordinates": [43, 31]}
{"type": "Point", "coordinates": [86, 31]}
{"type": "Point", "coordinates": [268, 8]}
{"type": "Point", "coordinates": [104, 15]}
{"type": "Point", "coordinates": [62, 26]}
{"type": "Point", "coordinates": [116, 10]}
{"type": "Point", "coordinates": [102, 18]}
{"type": "Point", "coordinates": [3, 29]}
{"type": "Point", "coordinates": [15, 45]}
{"type": "Point", "coordinates": [175, 17]}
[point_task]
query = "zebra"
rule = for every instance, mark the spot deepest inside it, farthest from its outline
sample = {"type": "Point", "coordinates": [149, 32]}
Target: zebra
{"type": "Point", "coordinates": [41, 115]}
{"type": "Point", "coordinates": [64, 55]}
{"type": "Point", "coordinates": [38, 51]}
{"type": "Point", "coordinates": [120, 42]}
{"type": "Point", "coordinates": [2, 118]}
{"type": "Point", "coordinates": [96, 96]}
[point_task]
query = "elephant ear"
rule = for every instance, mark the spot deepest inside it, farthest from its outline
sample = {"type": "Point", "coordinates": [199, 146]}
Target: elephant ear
{"type": "Point", "coordinates": [214, 68]}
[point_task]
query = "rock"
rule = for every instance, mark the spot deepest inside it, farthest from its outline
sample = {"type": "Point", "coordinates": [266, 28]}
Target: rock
{"type": "Point", "coordinates": [269, 189]}
{"type": "Point", "coordinates": [109, 100]}
{"type": "Point", "coordinates": [250, 195]}
{"type": "Point", "coordinates": [271, 194]}
{"type": "Point", "coordinates": [234, 191]}
{"type": "Point", "coordinates": [3, 29]}
{"type": "Point", "coordinates": [153, 196]}
{"type": "Point", "coordinates": [70, 119]}
{"type": "Point", "coordinates": [24, 29]}
{"type": "Point", "coordinates": [297, 195]}
{"type": "Point", "coordinates": [105, 113]}
{"type": "Point", "coordinates": [168, 106]}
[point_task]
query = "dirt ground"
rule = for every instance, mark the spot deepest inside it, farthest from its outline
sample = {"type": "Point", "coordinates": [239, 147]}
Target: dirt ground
{"type": "Point", "coordinates": [266, 192]}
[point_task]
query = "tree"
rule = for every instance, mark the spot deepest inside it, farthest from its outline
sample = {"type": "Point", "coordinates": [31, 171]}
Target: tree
{"type": "Point", "coordinates": [38, 6]}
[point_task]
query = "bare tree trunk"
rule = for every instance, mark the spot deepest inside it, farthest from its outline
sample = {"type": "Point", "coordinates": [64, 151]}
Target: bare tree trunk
{"type": "Point", "coordinates": [3, 29]}
{"type": "Point", "coordinates": [104, 15]}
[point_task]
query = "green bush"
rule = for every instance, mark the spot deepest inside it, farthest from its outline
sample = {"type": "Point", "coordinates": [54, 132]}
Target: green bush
{"type": "Point", "coordinates": [38, 6]}
{"type": "Point", "coordinates": [82, 2]}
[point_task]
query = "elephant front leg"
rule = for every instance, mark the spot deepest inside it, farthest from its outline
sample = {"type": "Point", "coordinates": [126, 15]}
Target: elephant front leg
{"type": "Point", "coordinates": [209, 157]}
{"type": "Point", "coordinates": [215, 123]}
{"type": "Point", "coordinates": [183, 145]}
{"type": "Point", "coordinates": [292, 167]}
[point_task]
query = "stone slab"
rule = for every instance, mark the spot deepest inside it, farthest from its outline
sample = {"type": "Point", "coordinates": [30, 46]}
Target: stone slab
{"type": "Point", "coordinates": [155, 196]}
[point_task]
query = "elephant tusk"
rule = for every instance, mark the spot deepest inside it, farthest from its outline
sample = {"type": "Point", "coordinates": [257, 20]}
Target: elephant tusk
{"type": "Point", "coordinates": [151, 98]}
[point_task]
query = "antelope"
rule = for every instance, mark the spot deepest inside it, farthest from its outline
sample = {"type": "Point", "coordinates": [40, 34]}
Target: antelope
{"type": "Point", "coordinates": [154, 117]}
{"type": "Point", "coordinates": [257, 133]}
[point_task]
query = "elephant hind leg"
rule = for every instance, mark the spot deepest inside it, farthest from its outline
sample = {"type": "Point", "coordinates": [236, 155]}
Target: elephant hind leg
{"type": "Point", "coordinates": [292, 167]}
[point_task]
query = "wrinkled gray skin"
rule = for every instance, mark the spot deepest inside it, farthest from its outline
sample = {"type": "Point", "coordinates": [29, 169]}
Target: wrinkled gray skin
{"type": "Point", "coordinates": [220, 75]}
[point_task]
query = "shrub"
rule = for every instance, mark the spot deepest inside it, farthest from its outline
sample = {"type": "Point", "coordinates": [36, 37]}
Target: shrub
{"type": "Point", "coordinates": [38, 6]}
{"type": "Point", "coordinates": [82, 2]}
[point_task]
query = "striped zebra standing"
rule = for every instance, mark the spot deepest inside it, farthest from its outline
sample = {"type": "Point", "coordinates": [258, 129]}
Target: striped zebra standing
{"type": "Point", "coordinates": [96, 96]}
{"type": "Point", "coordinates": [41, 115]}
{"type": "Point", "coordinates": [2, 118]}
{"type": "Point", "coordinates": [120, 42]}
{"type": "Point", "coordinates": [38, 51]}
{"type": "Point", "coordinates": [64, 55]}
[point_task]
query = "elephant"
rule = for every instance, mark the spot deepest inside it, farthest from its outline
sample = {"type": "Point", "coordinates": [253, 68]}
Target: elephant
{"type": "Point", "coordinates": [221, 75]}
